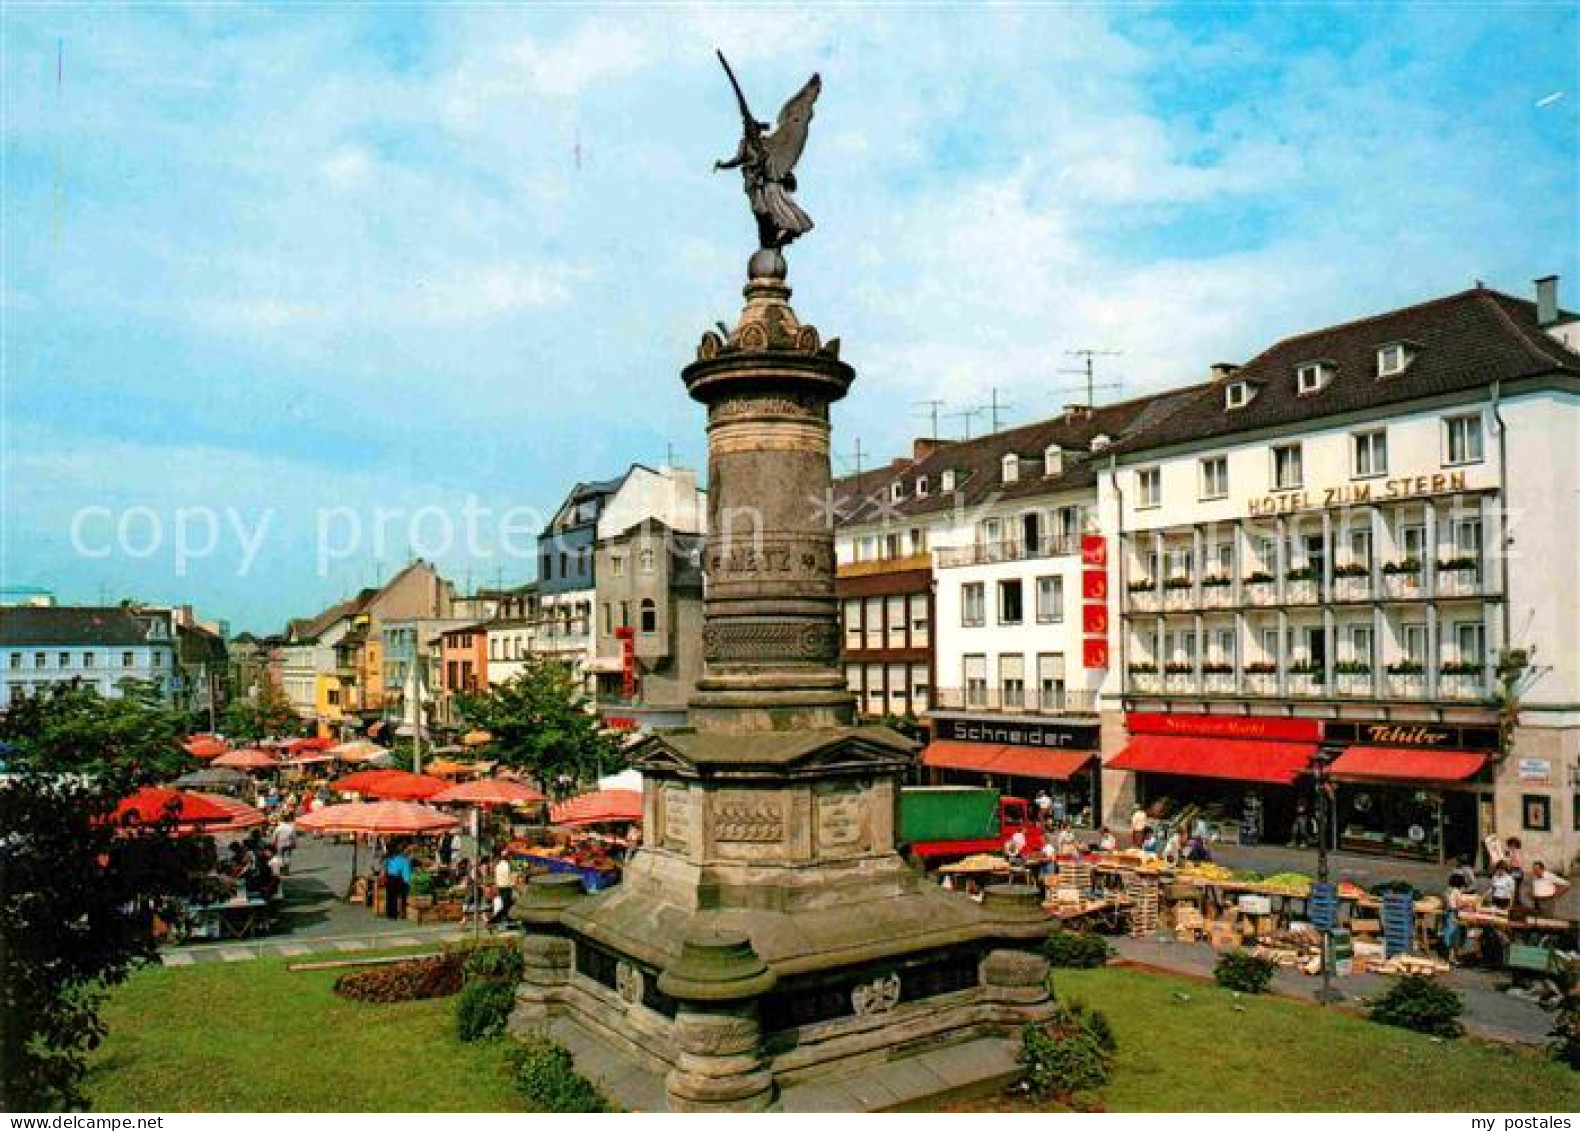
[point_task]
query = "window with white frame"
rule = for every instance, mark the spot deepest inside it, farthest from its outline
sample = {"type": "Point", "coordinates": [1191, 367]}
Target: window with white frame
{"type": "Point", "coordinates": [1149, 487]}
{"type": "Point", "coordinates": [1010, 608]}
{"type": "Point", "coordinates": [1012, 679]}
{"type": "Point", "coordinates": [897, 490]}
{"type": "Point", "coordinates": [1312, 377]}
{"type": "Point", "coordinates": [1370, 453]}
{"type": "Point", "coordinates": [1470, 642]}
{"type": "Point", "coordinates": [853, 622]}
{"type": "Point", "coordinates": [1052, 460]}
{"type": "Point", "coordinates": [647, 561]}
{"type": "Point", "coordinates": [1267, 638]}
{"type": "Point", "coordinates": [947, 481]}
{"type": "Point", "coordinates": [1215, 477]}
{"type": "Point", "coordinates": [922, 487]}
{"type": "Point", "coordinates": [1467, 538]}
{"type": "Point", "coordinates": [1462, 438]}
{"type": "Point", "coordinates": [1361, 642]}
{"type": "Point", "coordinates": [918, 540]}
{"type": "Point", "coordinates": [1412, 642]}
{"type": "Point", "coordinates": [1392, 359]}
{"type": "Point", "coordinates": [975, 672]}
{"type": "Point", "coordinates": [1050, 599]}
{"type": "Point", "coordinates": [1010, 467]}
{"type": "Point", "coordinates": [973, 604]}
{"type": "Point", "coordinates": [1287, 473]}
{"type": "Point", "coordinates": [1361, 547]}
{"type": "Point", "coordinates": [894, 619]}
{"type": "Point", "coordinates": [1050, 681]}
{"type": "Point", "coordinates": [617, 565]}
{"type": "Point", "coordinates": [1236, 394]}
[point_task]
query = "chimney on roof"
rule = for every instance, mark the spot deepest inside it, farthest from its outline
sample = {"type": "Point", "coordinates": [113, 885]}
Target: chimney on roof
{"type": "Point", "coordinates": [924, 446]}
{"type": "Point", "coordinates": [1077, 411]}
{"type": "Point", "coordinates": [1547, 300]}
{"type": "Point", "coordinates": [1221, 371]}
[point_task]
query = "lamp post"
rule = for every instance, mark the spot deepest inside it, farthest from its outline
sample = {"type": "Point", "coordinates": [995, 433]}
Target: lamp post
{"type": "Point", "coordinates": [1322, 810]}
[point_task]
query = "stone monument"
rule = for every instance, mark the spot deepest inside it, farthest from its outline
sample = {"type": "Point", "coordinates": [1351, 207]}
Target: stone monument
{"type": "Point", "coordinates": [768, 945]}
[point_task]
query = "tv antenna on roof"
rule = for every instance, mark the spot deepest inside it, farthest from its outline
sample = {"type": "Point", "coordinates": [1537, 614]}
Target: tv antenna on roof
{"type": "Point", "coordinates": [932, 408]}
{"type": "Point", "coordinates": [855, 457]}
{"type": "Point", "coordinates": [1086, 370]}
{"type": "Point", "coordinates": [995, 406]}
{"type": "Point", "coordinates": [965, 415]}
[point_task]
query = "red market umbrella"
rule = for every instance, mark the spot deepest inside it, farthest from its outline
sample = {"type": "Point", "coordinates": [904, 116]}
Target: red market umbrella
{"type": "Point", "coordinates": [399, 785]}
{"type": "Point", "coordinates": [205, 746]}
{"type": "Point", "coordinates": [304, 745]}
{"type": "Point", "coordinates": [358, 782]}
{"type": "Point", "coordinates": [597, 808]}
{"type": "Point", "coordinates": [377, 818]}
{"type": "Point", "coordinates": [308, 758]}
{"type": "Point", "coordinates": [250, 759]}
{"type": "Point", "coordinates": [488, 791]}
{"type": "Point", "coordinates": [151, 806]}
{"type": "Point", "coordinates": [242, 815]}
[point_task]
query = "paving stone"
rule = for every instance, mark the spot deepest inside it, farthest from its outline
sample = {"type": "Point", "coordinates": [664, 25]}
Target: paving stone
{"type": "Point", "coordinates": [350, 945]}
{"type": "Point", "coordinates": [293, 950]}
{"type": "Point", "coordinates": [176, 959]}
{"type": "Point", "coordinates": [236, 954]}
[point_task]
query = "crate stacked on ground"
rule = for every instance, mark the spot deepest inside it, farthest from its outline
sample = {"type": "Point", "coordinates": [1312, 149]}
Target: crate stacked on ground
{"type": "Point", "coordinates": [1146, 898]}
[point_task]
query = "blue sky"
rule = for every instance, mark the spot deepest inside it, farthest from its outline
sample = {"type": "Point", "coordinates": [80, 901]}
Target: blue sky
{"type": "Point", "coordinates": [270, 260]}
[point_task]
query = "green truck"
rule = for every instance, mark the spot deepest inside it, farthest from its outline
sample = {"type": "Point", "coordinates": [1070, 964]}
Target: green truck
{"type": "Point", "coordinates": [939, 823]}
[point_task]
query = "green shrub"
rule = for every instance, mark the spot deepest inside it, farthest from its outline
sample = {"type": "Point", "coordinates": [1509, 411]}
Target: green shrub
{"type": "Point", "coordinates": [484, 1009]}
{"type": "Point", "coordinates": [494, 961]}
{"type": "Point", "coordinates": [1237, 970]}
{"type": "Point", "coordinates": [546, 1074]}
{"type": "Point", "coordinates": [1565, 1043]}
{"type": "Point", "coordinates": [1075, 950]}
{"type": "Point", "coordinates": [1070, 1056]}
{"type": "Point", "coordinates": [1419, 1003]}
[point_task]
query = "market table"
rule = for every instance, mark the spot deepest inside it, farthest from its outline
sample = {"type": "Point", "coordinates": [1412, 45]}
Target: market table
{"type": "Point", "coordinates": [231, 919]}
{"type": "Point", "coordinates": [593, 879]}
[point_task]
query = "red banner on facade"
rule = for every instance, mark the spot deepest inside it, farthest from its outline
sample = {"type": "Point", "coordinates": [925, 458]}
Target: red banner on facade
{"type": "Point", "coordinates": [1225, 726]}
{"type": "Point", "coordinates": [1094, 584]}
{"type": "Point", "coordinates": [1094, 653]}
{"type": "Point", "coordinates": [1094, 550]}
{"type": "Point", "coordinates": [627, 640]}
{"type": "Point", "coordinates": [1094, 619]}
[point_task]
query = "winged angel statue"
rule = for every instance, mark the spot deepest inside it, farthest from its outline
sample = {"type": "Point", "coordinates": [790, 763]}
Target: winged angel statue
{"type": "Point", "coordinates": [767, 163]}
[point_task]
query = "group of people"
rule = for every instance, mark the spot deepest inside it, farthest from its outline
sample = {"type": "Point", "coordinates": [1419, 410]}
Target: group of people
{"type": "Point", "coordinates": [259, 862]}
{"type": "Point", "coordinates": [1510, 888]}
{"type": "Point", "coordinates": [492, 890]}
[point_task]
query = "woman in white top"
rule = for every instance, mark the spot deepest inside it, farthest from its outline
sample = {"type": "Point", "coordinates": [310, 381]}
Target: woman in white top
{"type": "Point", "coordinates": [1546, 888]}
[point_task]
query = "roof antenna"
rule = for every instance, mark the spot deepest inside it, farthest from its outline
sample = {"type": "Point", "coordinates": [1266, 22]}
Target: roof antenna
{"type": "Point", "coordinates": [1091, 386]}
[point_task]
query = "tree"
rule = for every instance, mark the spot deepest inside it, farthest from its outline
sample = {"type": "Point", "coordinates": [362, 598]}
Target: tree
{"type": "Point", "coordinates": [267, 714]}
{"type": "Point", "coordinates": [541, 721]}
{"type": "Point", "coordinates": [77, 894]}
{"type": "Point", "coordinates": [70, 728]}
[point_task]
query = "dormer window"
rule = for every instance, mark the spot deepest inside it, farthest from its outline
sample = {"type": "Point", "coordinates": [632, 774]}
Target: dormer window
{"type": "Point", "coordinates": [921, 487]}
{"type": "Point", "coordinates": [897, 490]}
{"type": "Point", "coordinates": [1011, 468]}
{"type": "Point", "coordinates": [1052, 460]}
{"type": "Point", "coordinates": [1312, 377]}
{"type": "Point", "coordinates": [947, 481]}
{"type": "Point", "coordinates": [1237, 394]}
{"type": "Point", "coordinates": [1392, 359]}
{"type": "Point", "coordinates": [1101, 441]}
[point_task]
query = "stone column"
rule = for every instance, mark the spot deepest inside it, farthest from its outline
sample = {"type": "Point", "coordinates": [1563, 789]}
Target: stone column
{"type": "Point", "coordinates": [717, 982]}
{"type": "Point", "coordinates": [1015, 974]}
{"type": "Point", "coordinates": [771, 631]}
{"type": "Point", "coordinates": [546, 949]}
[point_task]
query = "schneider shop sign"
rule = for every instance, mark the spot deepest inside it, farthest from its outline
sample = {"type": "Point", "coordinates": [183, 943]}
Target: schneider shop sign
{"type": "Point", "coordinates": [1053, 736]}
{"type": "Point", "coordinates": [1352, 494]}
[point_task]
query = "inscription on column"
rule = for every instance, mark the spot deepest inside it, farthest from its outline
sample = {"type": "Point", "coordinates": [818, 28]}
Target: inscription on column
{"type": "Point", "coordinates": [839, 816]}
{"type": "Point", "coordinates": [679, 804]}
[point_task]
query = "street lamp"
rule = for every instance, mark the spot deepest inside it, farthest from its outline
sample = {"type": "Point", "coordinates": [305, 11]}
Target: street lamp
{"type": "Point", "coordinates": [1322, 810]}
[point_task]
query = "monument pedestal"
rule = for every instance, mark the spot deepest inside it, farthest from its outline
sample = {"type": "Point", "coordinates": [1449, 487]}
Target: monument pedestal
{"type": "Point", "coordinates": [768, 944]}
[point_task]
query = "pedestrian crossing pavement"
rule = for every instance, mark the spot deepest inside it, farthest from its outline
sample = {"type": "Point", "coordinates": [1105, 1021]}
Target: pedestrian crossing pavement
{"type": "Point", "coordinates": [210, 953]}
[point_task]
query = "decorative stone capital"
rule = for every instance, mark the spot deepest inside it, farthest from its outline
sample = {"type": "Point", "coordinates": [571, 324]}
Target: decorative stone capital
{"type": "Point", "coordinates": [716, 967]}
{"type": "Point", "coordinates": [545, 899]}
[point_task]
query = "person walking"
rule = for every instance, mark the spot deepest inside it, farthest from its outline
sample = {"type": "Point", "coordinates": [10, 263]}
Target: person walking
{"type": "Point", "coordinates": [283, 840]}
{"type": "Point", "coordinates": [505, 881]}
{"type": "Point", "coordinates": [397, 882]}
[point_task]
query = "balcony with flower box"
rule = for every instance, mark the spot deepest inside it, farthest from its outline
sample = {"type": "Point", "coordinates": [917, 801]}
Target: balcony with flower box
{"type": "Point", "coordinates": [1261, 679]}
{"type": "Point", "coordinates": [1462, 681]}
{"type": "Point", "coordinates": [1143, 678]}
{"type": "Point", "coordinates": [1305, 679]}
{"type": "Point", "coordinates": [1179, 594]}
{"type": "Point", "coordinates": [1218, 679]}
{"type": "Point", "coordinates": [1260, 589]}
{"type": "Point", "coordinates": [1302, 585]}
{"type": "Point", "coordinates": [1354, 679]}
{"type": "Point", "coordinates": [1179, 678]}
{"type": "Point", "coordinates": [1402, 579]}
{"type": "Point", "coordinates": [1458, 577]}
{"type": "Point", "coordinates": [1143, 594]}
{"type": "Point", "coordinates": [1217, 591]}
{"type": "Point", "coordinates": [1406, 680]}
{"type": "Point", "coordinates": [1352, 582]}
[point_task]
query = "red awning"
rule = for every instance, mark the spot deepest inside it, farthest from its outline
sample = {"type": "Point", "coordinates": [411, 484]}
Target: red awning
{"type": "Point", "coordinates": [1404, 764]}
{"type": "Point", "coordinates": [1278, 763]}
{"type": "Point", "coordinates": [1017, 761]}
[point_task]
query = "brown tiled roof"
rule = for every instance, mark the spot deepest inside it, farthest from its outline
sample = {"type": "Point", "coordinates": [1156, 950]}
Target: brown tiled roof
{"type": "Point", "coordinates": [977, 463]}
{"type": "Point", "coordinates": [1460, 342]}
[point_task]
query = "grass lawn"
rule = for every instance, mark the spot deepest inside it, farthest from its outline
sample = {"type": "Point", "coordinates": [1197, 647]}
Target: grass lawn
{"type": "Point", "coordinates": [250, 1036]}
{"type": "Point", "coordinates": [1281, 1055]}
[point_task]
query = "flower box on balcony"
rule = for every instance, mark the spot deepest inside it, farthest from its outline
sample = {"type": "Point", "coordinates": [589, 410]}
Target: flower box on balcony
{"type": "Point", "coordinates": [1305, 678]}
{"type": "Point", "coordinates": [1459, 577]}
{"type": "Point", "coordinates": [1461, 681]}
{"type": "Point", "coordinates": [1351, 587]}
{"type": "Point", "coordinates": [1218, 678]}
{"type": "Point", "coordinates": [1142, 585]}
{"type": "Point", "coordinates": [1354, 682]}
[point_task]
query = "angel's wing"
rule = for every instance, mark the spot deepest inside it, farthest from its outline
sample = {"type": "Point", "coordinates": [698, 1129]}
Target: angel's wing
{"type": "Point", "coordinates": [785, 144]}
